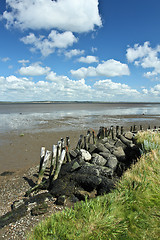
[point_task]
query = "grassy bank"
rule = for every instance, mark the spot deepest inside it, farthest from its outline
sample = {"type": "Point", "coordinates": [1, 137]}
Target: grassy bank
{"type": "Point", "coordinates": [132, 211]}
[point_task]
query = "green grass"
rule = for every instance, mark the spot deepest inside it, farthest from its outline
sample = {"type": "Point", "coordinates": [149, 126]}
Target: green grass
{"type": "Point", "coordinates": [132, 211]}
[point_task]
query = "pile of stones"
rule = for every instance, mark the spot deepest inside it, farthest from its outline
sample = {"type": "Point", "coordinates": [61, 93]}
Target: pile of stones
{"type": "Point", "coordinates": [95, 171]}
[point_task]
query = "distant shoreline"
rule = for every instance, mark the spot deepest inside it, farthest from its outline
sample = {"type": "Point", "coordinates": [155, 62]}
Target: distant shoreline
{"type": "Point", "coordinates": [72, 102]}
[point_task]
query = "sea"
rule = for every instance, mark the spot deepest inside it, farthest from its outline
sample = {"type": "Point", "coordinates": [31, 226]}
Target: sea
{"type": "Point", "coordinates": [36, 117]}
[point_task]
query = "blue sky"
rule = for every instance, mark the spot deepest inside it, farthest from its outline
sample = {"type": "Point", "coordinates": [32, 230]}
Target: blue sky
{"type": "Point", "coordinates": [78, 50]}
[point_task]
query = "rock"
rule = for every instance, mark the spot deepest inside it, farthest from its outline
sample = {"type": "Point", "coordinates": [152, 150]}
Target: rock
{"type": "Point", "coordinates": [129, 135]}
{"type": "Point", "coordinates": [119, 143]}
{"type": "Point", "coordinates": [105, 186]}
{"type": "Point", "coordinates": [112, 162]}
{"type": "Point", "coordinates": [105, 155]}
{"type": "Point", "coordinates": [74, 153]}
{"type": "Point", "coordinates": [91, 148]}
{"type": "Point", "coordinates": [16, 204]}
{"type": "Point", "coordinates": [86, 155]}
{"type": "Point", "coordinates": [87, 182]}
{"type": "Point", "coordinates": [61, 200]}
{"type": "Point", "coordinates": [89, 169]}
{"type": "Point", "coordinates": [119, 154]}
{"type": "Point", "coordinates": [105, 171]}
{"type": "Point", "coordinates": [102, 147]}
{"type": "Point", "coordinates": [109, 146]}
{"type": "Point", "coordinates": [39, 209]}
{"type": "Point", "coordinates": [75, 166]}
{"type": "Point", "coordinates": [82, 194]}
{"type": "Point", "coordinates": [98, 159]}
{"type": "Point", "coordinates": [63, 186]}
{"type": "Point", "coordinates": [125, 140]}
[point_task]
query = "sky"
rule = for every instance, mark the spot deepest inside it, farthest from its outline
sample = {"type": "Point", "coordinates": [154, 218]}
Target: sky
{"type": "Point", "coordinates": [80, 50]}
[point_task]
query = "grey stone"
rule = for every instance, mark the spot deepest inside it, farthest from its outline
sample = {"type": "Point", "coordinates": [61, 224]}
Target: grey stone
{"type": "Point", "coordinates": [102, 148]}
{"type": "Point", "coordinates": [112, 162]}
{"type": "Point", "coordinates": [128, 135]}
{"type": "Point", "coordinates": [105, 154]}
{"type": "Point", "coordinates": [105, 171]}
{"type": "Point", "coordinates": [98, 159]}
{"type": "Point", "coordinates": [89, 169]}
{"type": "Point", "coordinates": [109, 146]}
{"type": "Point", "coordinates": [75, 166]}
{"type": "Point", "coordinates": [119, 153]}
{"type": "Point", "coordinates": [85, 155]}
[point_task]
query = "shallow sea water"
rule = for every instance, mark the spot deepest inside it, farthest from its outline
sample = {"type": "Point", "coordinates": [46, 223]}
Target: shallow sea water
{"type": "Point", "coordinates": [37, 117]}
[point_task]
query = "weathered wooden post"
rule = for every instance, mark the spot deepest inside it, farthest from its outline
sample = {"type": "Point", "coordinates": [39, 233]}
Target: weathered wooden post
{"type": "Point", "coordinates": [112, 132]}
{"type": "Point", "coordinates": [141, 128]}
{"type": "Point", "coordinates": [122, 130]}
{"type": "Point", "coordinates": [131, 129]}
{"type": "Point", "coordinates": [85, 143]}
{"type": "Point", "coordinates": [47, 158]}
{"type": "Point", "coordinates": [43, 150]}
{"type": "Point", "coordinates": [79, 144]}
{"type": "Point", "coordinates": [68, 149]}
{"type": "Point", "coordinates": [53, 161]}
{"type": "Point", "coordinates": [93, 137]}
{"type": "Point", "coordinates": [106, 132]}
{"type": "Point", "coordinates": [59, 164]}
{"type": "Point", "coordinates": [117, 131]}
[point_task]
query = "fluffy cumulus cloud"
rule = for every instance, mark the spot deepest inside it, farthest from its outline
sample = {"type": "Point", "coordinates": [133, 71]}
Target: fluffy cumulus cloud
{"type": "Point", "coordinates": [73, 53]}
{"type": "Point", "coordinates": [118, 90]}
{"type": "Point", "coordinates": [47, 45]}
{"type": "Point", "coordinates": [88, 59]}
{"type": "Point", "coordinates": [33, 70]}
{"type": "Point", "coordinates": [109, 68]}
{"type": "Point", "coordinates": [66, 15]}
{"type": "Point", "coordinates": [146, 57]}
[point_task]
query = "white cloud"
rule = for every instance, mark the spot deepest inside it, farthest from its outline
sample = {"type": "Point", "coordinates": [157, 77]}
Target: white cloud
{"type": "Point", "coordinates": [67, 15]}
{"type": "Point", "coordinates": [109, 87]}
{"type": "Point", "coordinates": [6, 59]}
{"type": "Point", "coordinates": [34, 70]}
{"type": "Point", "coordinates": [110, 68]}
{"type": "Point", "coordinates": [73, 52]}
{"type": "Point", "coordinates": [146, 57]}
{"type": "Point", "coordinates": [94, 49]}
{"type": "Point", "coordinates": [47, 45]}
{"type": "Point", "coordinates": [23, 62]}
{"type": "Point", "coordinates": [88, 59]}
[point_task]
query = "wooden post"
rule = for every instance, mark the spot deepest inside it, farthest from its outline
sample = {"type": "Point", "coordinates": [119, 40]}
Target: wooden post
{"type": "Point", "coordinates": [112, 132]}
{"type": "Point", "coordinates": [43, 150]}
{"type": "Point", "coordinates": [131, 129]}
{"type": "Point", "coordinates": [44, 165]}
{"type": "Point", "coordinates": [106, 132]}
{"type": "Point", "coordinates": [88, 136]}
{"type": "Point", "coordinates": [117, 131]}
{"type": "Point", "coordinates": [79, 144]}
{"type": "Point", "coordinates": [85, 142]}
{"type": "Point", "coordinates": [53, 161]}
{"type": "Point", "coordinates": [93, 137]}
{"type": "Point", "coordinates": [68, 149]}
{"type": "Point", "coordinates": [122, 130]}
{"type": "Point", "coordinates": [59, 164]}
{"type": "Point", "coordinates": [141, 128]}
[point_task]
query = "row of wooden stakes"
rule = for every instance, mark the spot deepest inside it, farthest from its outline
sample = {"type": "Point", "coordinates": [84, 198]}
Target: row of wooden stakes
{"type": "Point", "coordinates": [61, 152]}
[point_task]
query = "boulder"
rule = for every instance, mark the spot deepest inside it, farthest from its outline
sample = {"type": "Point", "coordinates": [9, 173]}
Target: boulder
{"type": "Point", "coordinates": [98, 159]}
{"type": "Point", "coordinates": [112, 162]}
{"type": "Point", "coordinates": [89, 169]}
{"type": "Point", "coordinates": [86, 156]}
{"type": "Point", "coordinates": [102, 148]}
{"type": "Point", "coordinates": [119, 154]}
{"type": "Point", "coordinates": [129, 135]}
